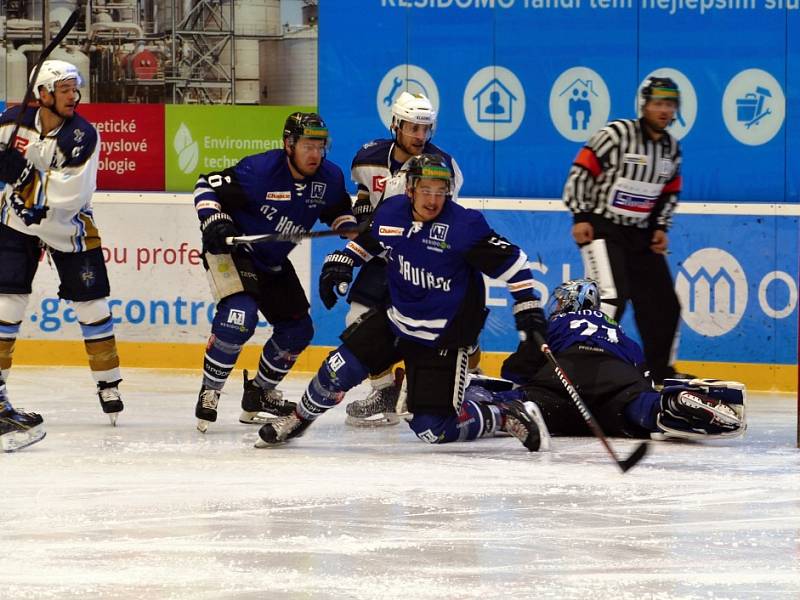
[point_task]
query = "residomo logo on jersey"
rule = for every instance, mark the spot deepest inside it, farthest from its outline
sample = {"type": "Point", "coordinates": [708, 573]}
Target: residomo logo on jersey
{"type": "Point", "coordinates": [712, 287]}
{"type": "Point", "coordinates": [186, 149]}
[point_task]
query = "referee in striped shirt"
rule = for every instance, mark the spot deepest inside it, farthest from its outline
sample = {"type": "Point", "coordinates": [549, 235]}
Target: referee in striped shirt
{"type": "Point", "coordinates": [622, 190]}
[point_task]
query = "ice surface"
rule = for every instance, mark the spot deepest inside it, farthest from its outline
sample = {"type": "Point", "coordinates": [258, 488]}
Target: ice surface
{"type": "Point", "coordinates": [153, 509]}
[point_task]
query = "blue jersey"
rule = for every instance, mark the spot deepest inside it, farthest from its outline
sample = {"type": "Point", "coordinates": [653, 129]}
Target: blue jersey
{"type": "Point", "coordinates": [592, 329]}
{"type": "Point", "coordinates": [262, 197]}
{"type": "Point", "coordinates": [434, 269]}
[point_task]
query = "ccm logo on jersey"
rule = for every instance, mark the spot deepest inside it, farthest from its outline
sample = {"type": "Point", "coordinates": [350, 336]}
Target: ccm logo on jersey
{"type": "Point", "coordinates": [389, 231]}
{"type": "Point", "coordinates": [20, 144]}
{"type": "Point", "coordinates": [279, 196]}
{"type": "Point", "coordinates": [378, 183]}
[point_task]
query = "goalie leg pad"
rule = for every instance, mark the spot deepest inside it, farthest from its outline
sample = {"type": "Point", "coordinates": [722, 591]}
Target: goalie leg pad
{"type": "Point", "coordinates": [702, 411]}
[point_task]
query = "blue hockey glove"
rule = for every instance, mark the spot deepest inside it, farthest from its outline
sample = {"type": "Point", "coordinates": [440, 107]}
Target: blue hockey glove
{"type": "Point", "coordinates": [30, 215]}
{"type": "Point", "coordinates": [337, 273]}
{"type": "Point", "coordinates": [529, 318]}
{"type": "Point", "coordinates": [215, 229]}
{"type": "Point", "coordinates": [12, 166]}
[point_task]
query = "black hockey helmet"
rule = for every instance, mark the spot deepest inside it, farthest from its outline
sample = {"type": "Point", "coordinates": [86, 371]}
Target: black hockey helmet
{"type": "Point", "coordinates": [308, 125]}
{"type": "Point", "coordinates": [662, 88]}
{"type": "Point", "coordinates": [428, 166]}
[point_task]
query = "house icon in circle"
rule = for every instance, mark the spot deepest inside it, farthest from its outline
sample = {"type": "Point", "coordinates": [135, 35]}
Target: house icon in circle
{"type": "Point", "coordinates": [494, 103]}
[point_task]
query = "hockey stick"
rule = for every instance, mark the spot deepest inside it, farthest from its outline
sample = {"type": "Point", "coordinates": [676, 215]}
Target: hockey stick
{"type": "Point", "coordinates": [640, 450]}
{"type": "Point", "coordinates": [65, 29]}
{"type": "Point", "coordinates": [289, 237]}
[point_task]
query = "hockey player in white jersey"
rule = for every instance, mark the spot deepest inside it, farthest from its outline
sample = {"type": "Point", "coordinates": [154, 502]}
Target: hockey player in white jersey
{"type": "Point", "coordinates": [49, 172]}
{"type": "Point", "coordinates": [378, 172]}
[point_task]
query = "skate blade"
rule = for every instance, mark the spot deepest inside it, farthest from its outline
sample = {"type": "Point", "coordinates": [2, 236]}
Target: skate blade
{"type": "Point", "coordinates": [202, 426]}
{"type": "Point", "coordinates": [17, 440]}
{"type": "Point", "coordinates": [261, 444]}
{"type": "Point", "coordinates": [255, 418]}
{"type": "Point", "coordinates": [380, 420]}
{"type": "Point", "coordinates": [112, 417]}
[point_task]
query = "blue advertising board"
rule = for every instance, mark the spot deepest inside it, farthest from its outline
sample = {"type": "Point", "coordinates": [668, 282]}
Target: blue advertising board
{"type": "Point", "coordinates": [521, 84]}
{"type": "Point", "coordinates": [738, 291]}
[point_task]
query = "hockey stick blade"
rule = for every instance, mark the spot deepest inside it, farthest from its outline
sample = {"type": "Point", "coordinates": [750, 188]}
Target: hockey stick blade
{"type": "Point", "coordinates": [637, 455]}
{"type": "Point", "coordinates": [594, 426]}
{"type": "Point", "coordinates": [59, 37]}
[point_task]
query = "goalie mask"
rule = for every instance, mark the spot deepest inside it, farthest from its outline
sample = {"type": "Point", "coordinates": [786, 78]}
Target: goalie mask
{"type": "Point", "coordinates": [574, 295]}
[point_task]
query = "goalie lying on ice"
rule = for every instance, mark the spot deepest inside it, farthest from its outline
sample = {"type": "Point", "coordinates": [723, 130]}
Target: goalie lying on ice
{"type": "Point", "coordinates": [608, 370]}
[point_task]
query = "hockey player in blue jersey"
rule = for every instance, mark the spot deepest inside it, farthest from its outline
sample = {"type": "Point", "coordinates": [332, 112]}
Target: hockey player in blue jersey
{"type": "Point", "coordinates": [377, 171]}
{"type": "Point", "coordinates": [436, 253]}
{"type": "Point", "coordinates": [280, 191]}
{"type": "Point", "coordinates": [608, 370]}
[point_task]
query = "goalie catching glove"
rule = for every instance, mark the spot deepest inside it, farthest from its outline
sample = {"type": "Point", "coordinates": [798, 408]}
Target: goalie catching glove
{"type": "Point", "coordinates": [215, 229]}
{"type": "Point", "coordinates": [336, 275]}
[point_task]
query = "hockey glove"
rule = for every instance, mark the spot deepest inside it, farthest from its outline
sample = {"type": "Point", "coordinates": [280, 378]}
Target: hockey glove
{"type": "Point", "coordinates": [215, 229]}
{"type": "Point", "coordinates": [362, 210]}
{"type": "Point", "coordinates": [12, 166]}
{"type": "Point", "coordinates": [529, 318]}
{"type": "Point", "coordinates": [31, 215]}
{"type": "Point", "coordinates": [337, 273]}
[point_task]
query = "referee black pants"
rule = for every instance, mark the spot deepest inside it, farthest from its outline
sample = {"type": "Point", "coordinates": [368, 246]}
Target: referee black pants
{"type": "Point", "coordinates": [621, 261]}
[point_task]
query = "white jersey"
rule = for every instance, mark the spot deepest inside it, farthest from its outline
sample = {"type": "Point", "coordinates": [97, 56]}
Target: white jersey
{"type": "Point", "coordinates": [376, 173]}
{"type": "Point", "coordinates": [64, 191]}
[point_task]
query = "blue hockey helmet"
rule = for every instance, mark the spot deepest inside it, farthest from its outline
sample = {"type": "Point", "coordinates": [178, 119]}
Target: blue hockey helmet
{"type": "Point", "coordinates": [573, 295]}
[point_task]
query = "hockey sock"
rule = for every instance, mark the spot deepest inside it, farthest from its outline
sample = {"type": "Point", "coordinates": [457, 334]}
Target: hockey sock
{"type": "Point", "coordinates": [101, 348]}
{"type": "Point", "coordinates": [643, 410]}
{"type": "Point", "coordinates": [218, 362]}
{"type": "Point", "coordinates": [273, 365]}
{"type": "Point", "coordinates": [8, 338]}
{"type": "Point", "coordinates": [340, 372]}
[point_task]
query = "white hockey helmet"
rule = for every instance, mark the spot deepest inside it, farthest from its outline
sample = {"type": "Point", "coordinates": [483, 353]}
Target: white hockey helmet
{"type": "Point", "coordinates": [52, 72]}
{"type": "Point", "coordinates": [414, 108]}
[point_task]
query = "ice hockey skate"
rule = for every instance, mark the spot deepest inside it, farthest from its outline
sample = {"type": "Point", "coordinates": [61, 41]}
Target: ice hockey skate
{"type": "Point", "coordinates": [524, 421]}
{"type": "Point", "coordinates": [19, 429]}
{"type": "Point", "coordinates": [259, 405]}
{"type": "Point", "coordinates": [378, 408]}
{"type": "Point", "coordinates": [206, 408]}
{"type": "Point", "coordinates": [278, 431]}
{"type": "Point", "coordinates": [110, 400]}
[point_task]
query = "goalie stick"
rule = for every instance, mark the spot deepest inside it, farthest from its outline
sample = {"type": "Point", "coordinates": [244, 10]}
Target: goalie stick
{"type": "Point", "coordinates": [65, 29]}
{"type": "Point", "coordinates": [626, 464]}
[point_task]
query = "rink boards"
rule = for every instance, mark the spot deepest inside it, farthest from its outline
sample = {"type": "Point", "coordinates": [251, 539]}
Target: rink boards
{"type": "Point", "coordinates": [735, 270]}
